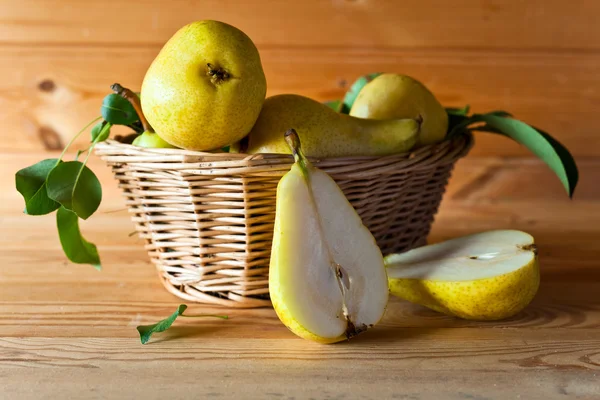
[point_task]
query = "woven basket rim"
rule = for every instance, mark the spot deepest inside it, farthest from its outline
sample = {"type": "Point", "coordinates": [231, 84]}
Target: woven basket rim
{"type": "Point", "coordinates": [111, 147]}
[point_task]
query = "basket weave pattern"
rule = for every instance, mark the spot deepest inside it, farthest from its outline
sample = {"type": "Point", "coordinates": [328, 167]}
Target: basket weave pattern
{"type": "Point", "coordinates": [207, 219]}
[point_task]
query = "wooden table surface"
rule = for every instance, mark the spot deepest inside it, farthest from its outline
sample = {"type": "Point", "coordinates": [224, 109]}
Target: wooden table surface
{"type": "Point", "coordinates": [68, 331]}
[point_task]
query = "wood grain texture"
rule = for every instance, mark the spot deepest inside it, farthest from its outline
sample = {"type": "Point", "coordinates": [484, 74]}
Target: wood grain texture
{"type": "Point", "coordinates": [68, 331]}
{"type": "Point", "coordinates": [537, 59]}
{"type": "Point", "coordinates": [348, 23]}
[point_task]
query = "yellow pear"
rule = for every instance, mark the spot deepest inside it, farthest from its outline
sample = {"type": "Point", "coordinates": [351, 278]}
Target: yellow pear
{"type": "Point", "coordinates": [326, 133]}
{"type": "Point", "coordinates": [327, 279]}
{"type": "Point", "coordinates": [486, 276]}
{"type": "Point", "coordinates": [205, 88]}
{"type": "Point", "coordinates": [151, 140]}
{"type": "Point", "coordinates": [399, 96]}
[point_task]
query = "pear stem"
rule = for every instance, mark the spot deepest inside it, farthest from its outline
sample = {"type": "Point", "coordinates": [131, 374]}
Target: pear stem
{"type": "Point", "coordinates": [133, 98]}
{"type": "Point", "coordinates": [292, 139]}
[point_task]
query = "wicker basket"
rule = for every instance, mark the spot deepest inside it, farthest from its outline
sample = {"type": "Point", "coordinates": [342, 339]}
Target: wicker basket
{"type": "Point", "coordinates": [208, 218]}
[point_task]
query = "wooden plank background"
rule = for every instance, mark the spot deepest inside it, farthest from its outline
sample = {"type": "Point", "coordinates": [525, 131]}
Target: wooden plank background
{"type": "Point", "coordinates": [539, 59]}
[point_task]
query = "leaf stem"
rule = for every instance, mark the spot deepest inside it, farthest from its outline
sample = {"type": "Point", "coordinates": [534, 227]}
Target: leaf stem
{"type": "Point", "coordinates": [206, 315]}
{"type": "Point", "coordinates": [134, 99]}
{"type": "Point", "coordinates": [79, 152]}
{"type": "Point", "coordinates": [89, 152]}
{"type": "Point", "coordinates": [83, 164]}
{"type": "Point", "coordinates": [74, 138]}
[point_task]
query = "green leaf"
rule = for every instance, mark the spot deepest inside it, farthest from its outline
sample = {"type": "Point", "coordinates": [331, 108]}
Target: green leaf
{"type": "Point", "coordinates": [548, 149]}
{"type": "Point", "coordinates": [76, 248]}
{"type": "Point", "coordinates": [458, 124]}
{"type": "Point", "coordinates": [31, 183]}
{"type": "Point", "coordinates": [118, 111]}
{"type": "Point", "coordinates": [79, 152]}
{"type": "Point", "coordinates": [336, 105]}
{"type": "Point", "coordinates": [457, 120]}
{"type": "Point", "coordinates": [355, 89]}
{"type": "Point", "coordinates": [137, 126]}
{"type": "Point", "coordinates": [146, 331]}
{"type": "Point", "coordinates": [459, 111]}
{"type": "Point", "coordinates": [500, 113]}
{"type": "Point", "coordinates": [75, 187]}
{"type": "Point", "coordinates": [101, 131]}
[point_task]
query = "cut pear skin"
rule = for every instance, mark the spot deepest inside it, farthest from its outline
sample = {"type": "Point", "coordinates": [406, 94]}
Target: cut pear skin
{"type": "Point", "coordinates": [327, 278]}
{"type": "Point", "coordinates": [486, 276]}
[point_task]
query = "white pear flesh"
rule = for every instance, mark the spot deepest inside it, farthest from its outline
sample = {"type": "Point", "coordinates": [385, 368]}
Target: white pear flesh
{"type": "Point", "coordinates": [317, 230]}
{"type": "Point", "coordinates": [486, 276]}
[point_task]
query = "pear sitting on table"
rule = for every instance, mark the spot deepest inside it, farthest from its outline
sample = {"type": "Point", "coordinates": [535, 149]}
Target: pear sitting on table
{"type": "Point", "coordinates": [486, 276]}
{"type": "Point", "coordinates": [327, 279]}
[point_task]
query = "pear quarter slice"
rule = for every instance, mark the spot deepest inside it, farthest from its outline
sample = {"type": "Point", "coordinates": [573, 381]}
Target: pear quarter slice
{"type": "Point", "coordinates": [327, 278]}
{"type": "Point", "coordinates": [486, 276]}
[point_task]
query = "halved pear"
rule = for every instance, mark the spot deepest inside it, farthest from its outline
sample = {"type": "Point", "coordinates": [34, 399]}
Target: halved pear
{"type": "Point", "coordinates": [327, 278]}
{"type": "Point", "coordinates": [486, 276]}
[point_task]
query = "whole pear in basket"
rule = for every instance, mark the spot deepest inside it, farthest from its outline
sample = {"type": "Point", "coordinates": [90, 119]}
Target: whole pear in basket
{"type": "Point", "coordinates": [487, 276]}
{"type": "Point", "coordinates": [152, 140]}
{"type": "Point", "coordinates": [205, 88]}
{"type": "Point", "coordinates": [327, 278]}
{"type": "Point", "coordinates": [326, 133]}
{"type": "Point", "coordinates": [400, 96]}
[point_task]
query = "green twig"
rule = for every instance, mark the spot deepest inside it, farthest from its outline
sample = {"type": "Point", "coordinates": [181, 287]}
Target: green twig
{"type": "Point", "coordinates": [75, 137]}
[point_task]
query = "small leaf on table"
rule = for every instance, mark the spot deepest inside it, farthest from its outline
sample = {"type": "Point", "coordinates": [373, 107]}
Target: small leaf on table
{"type": "Point", "coordinates": [548, 149]}
{"type": "Point", "coordinates": [31, 183]}
{"type": "Point", "coordinates": [146, 331]}
{"type": "Point", "coordinates": [76, 248]}
{"type": "Point", "coordinates": [75, 187]}
{"type": "Point", "coordinates": [118, 111]}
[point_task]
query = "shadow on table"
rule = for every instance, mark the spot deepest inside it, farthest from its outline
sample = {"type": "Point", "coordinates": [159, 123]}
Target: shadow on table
{"type": "Point", "coordinates": [390, 334]}
{"type": "Point", "coordinates": [188, 332]}
{"type": "Point", "coordinates": [573, 309]}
